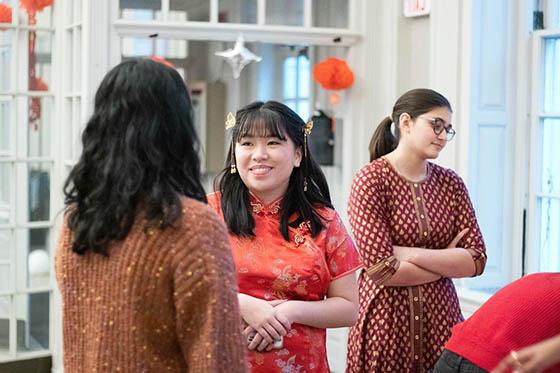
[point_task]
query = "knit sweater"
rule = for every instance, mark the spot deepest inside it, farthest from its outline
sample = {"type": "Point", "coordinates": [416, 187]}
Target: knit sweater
{"type": "Point", "coordinates": [162, 301]}
{"type": "Point", "coordinates": [523, 313]}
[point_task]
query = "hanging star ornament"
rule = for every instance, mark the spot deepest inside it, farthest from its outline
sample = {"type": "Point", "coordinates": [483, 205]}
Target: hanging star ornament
{"type": "Point", "coordinates": [239, 56]}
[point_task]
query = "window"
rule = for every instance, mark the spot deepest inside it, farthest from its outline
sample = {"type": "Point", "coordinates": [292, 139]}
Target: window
{"type": "Point", "coordinates": [27, 110]}
{"type": "Point", "coordinates": [296, 71]}
{"type": "Point", "coordinates": [544, 205]}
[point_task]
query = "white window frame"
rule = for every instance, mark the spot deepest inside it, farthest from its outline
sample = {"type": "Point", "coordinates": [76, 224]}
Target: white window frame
{"type": "Point", "coordinates": [19, 224]}
{"type": "Point", "coordinates": [538, 115]}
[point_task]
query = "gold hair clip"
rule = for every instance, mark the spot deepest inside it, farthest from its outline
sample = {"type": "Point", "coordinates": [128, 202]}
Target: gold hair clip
{"type": "Point", "coordinates": [308, 127]}
{"type": "Point", "coordinates": [230, 121]}
{"type": "Point", "coordinates": [306, 132]}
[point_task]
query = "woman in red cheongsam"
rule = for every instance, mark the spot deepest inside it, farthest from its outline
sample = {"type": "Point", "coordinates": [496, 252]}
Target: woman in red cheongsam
{"type": "Point", "coordinates": [295, 261]}
{"type": "Point", "coordinates": [416, 229]}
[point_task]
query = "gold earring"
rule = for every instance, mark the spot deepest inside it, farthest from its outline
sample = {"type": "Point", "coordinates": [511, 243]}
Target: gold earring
{"type": "Point", "coordinates": [233, 167]}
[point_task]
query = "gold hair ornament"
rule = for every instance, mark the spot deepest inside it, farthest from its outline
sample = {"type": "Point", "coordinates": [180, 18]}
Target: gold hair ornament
{"type": "Point", "coordinates": [306, 132]}
{"type": "Point", "coordinates": [230, 123]}
{"type": "Point", "coordinates": [230, 120]}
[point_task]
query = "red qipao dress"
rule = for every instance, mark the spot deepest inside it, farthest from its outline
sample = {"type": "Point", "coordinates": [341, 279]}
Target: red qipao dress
{"type": "Point", "coordinates": [404, 329]}
{"type": "Point", "coordinates": [269, 267]}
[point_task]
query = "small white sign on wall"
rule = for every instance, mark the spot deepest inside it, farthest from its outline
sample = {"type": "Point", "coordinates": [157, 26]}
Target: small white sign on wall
{"type": "Point", "coordinates": [416, 8]}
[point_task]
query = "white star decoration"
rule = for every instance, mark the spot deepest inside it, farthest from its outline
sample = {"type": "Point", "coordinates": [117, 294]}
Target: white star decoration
{"type": "Point", "coordinates": [239, 56]}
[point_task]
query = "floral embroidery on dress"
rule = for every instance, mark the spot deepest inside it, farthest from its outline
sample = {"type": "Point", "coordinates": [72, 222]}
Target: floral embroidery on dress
{"type": "Point", "coordinates": [289, 366]}
{"type": "Point", "coordinates": [260, 209]}
{"type": "Point", "coordinates": [303, 229]}
{"type": "Point", "coordinates": [271, 268]}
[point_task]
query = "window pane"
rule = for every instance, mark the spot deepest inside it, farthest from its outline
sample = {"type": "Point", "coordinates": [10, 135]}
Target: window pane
{"type": "Point", "coordinates": [6, 181]}
{"type": "Point", "coordinates": [303, 77]}
{"type": "Point", "coordinates": [4, 323]}
{"type": "Point", "coordinates": [32, 313]}
{"type": "Point", "coordinates": [189, 10]}
{"type": "Point", "coordinates": [39, 127]}
{"type": "Point", "coordinates": [5, 60]}
{"type": "Point", "coordinates": [143, 10]}
{"type": "Point", "coordinates": [303, 110]}
{"type": "Point", "coordinates": [549, 235]}
{"type": "Point", "coordinates": [241, 11]}
{"type": "Point", "coordinates": [77, 126]}
{"type": "Point", "coordinates": [77, 11]}
{"type": "Point", "coordinates": [330, 13]}
{"type": "Point", "coordinates": [551, 77]}
{"type": "Point", "coordinates": [42, 55]}
{"type": "Point", "coordinates": [290, 77]}
{"type": "Point", "coordinates": [76, 83]}
{"type": "Point", "coordinates": [171, 49]}
{"type": "Point", "coordinates": [284, 12]}
{"type": "Point", "coordinates": [39, 56]}
{"type": "Point", "coordinates": [67, 125]}
{"type": "Point", "coordinates": [35, 13]}
{"type": "Point", "coordinates": [291, 104]}
{"type": "Point", "coordinates": [5, 283]}
{"type": "Point", "coordinates": [134, 47]}
{"type": "Point", "coordinates": [5, 127]}
{"type": "Point", "coordinates": [68, 56]}
{"type": "Point", "coordinates": [550, 157]}
{"type": "Point", "coordinates": [552, 14]}
{"type": "Point", "coordinates": [5, 243]}
{"type": "Point", "coordinates": [39, 192]}
{"type": "Point", "coordinates": [38, 258]}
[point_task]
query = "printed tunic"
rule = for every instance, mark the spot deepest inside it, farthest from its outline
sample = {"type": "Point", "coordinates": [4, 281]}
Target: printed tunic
{"type": "Point", "coordinates": [404, 329]}
{"type": "Point", "coordinates": [269, 267]}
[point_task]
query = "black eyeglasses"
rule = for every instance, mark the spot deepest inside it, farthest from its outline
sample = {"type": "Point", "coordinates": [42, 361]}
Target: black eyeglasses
{"type": "Point", "coordinates": [438, 125]}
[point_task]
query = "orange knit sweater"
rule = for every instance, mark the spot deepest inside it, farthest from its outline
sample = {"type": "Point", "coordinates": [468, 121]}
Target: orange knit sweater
{"type": "Point", "coordinates": [162, 301]}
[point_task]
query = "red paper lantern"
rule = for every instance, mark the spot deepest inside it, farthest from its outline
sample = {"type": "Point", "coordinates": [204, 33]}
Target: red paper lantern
{"type": "Point", "coordinates": [34, 6]}
{"type": "Point", "coordinates": [333, 74]}
{"type": "Point", "coordinates": [5, 14]}
{"type": "Point", "coordinates": [162, 61]}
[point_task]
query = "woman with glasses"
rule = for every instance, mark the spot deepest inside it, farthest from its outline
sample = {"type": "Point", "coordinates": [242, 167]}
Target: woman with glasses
{"type": "Point", "coordinates": [416, 229]}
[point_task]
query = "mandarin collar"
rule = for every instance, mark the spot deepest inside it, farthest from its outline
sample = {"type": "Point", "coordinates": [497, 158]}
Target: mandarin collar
{"type": "Point", "coordinates": [260, 208]}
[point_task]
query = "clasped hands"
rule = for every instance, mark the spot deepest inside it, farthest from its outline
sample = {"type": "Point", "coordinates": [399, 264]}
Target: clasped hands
{"type": "Point", "coordinates": [267, 322]}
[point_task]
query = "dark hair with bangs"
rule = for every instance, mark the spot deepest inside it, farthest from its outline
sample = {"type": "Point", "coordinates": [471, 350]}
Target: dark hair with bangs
{"type": "Point", "coordinates": [140, 149]}
{"type": "Point", "coordinates": [273, 119]}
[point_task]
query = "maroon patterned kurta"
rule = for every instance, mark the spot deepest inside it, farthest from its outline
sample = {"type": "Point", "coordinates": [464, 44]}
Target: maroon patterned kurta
{"type": "Point", "coordinates": [404, 329]}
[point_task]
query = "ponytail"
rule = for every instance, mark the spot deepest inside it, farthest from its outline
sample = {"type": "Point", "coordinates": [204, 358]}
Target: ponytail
{"type": "Point", "coordinates": [415, 103]}
{"type": "Point", "coordinates": [383, 141]}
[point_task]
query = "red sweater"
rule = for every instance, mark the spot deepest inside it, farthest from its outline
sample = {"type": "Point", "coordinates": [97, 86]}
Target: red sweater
{"type": "Point", "coordinates": [525, 312]}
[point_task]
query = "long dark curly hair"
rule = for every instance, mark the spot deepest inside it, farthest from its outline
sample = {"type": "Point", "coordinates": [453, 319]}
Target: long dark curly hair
{"type": "Point", "coordinates": [140, 152]}
{"type": "Point", "coordinates": [273, 119]}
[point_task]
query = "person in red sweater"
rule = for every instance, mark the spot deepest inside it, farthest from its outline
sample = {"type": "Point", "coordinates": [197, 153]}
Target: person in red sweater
{"type": "Point", "coordinates": [516, 330]}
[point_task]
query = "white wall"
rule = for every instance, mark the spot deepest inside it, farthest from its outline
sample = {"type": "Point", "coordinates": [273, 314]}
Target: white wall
{"type": "Point", "coordinates": [413, 64]}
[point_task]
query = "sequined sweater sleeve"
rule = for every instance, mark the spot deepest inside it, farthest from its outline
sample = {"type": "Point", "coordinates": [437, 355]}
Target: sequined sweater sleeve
{"type": "Point", "coordinates": [205, 296]}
